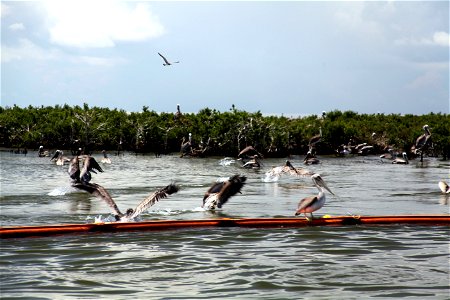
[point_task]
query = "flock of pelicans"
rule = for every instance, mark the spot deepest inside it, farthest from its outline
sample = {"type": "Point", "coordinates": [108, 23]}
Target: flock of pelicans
{"type": "Point", "coordinates": [220, 192]}
{"type": "Point", "coordinates": [215, 197]}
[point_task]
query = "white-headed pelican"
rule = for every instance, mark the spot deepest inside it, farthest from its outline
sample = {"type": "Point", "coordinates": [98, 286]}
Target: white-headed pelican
{"type": "Point", "coordinates": [313, 203]}
{"type": "Point", "coordinates": [401, 161]}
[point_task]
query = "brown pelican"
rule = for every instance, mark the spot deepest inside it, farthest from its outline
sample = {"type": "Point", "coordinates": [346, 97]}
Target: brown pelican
{"type": "Point", "coordinates": [423, 142]}
{"type": "Point", "coordinates": [315, 139]}
{"type": "Point", "coordinates": [186, 147]}
{"type": "Point", "coordinates": [105, 159]}
{"type": "Point", "coordinates": [445, 189]}
{"type": "Point", "coordinates": [251, 164]}
{"type": "Point", "coordinates": [131, 214]}
{"type": "Point", "coordinates": [220, 192]}
{"type": "Point", "coordinates": [59, 158]}
{"type": "Point", "coordinates": [248, 152]}
{"type": "Point", "coordinates": [310, 158]}
{"type": "Point", "coordinates": [401, 161]}
{"type": "Point", "coordinates": [289, 169]}
{"type": "Point", "coordinates": [166, 62]}
{"type": "Point", "coordinates": [83, 176]}
{"type": "Point", "coordinates": [42, 152]}
{"type": "Point", "coordinates": [313, 203]}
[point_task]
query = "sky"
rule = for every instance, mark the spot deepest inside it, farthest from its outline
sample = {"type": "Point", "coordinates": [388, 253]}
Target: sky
{"type": "Point", "coordinates": [290, 58]}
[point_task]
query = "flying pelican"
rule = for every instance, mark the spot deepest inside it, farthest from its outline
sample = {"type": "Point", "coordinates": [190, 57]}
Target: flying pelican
{"type": "Point", "coordinates": [220, 192]}
{"type": "Point", "coordinates": [313, 203]}
{"type": "Point", "coordinates": [59, 158]}
{"type": "Point", "coordinates": [444, 187]}
{"type": "Point", "coordinates": [131, 214]}
{"type": "Point", "coordinates": [289, 169]}
{"type": "Point", "coordinates": [401, 161]}
{"type": "Point", "coordinates": [249, 151]}
{"type": "Point", "coordinates": [105, 159]}
{"type": "Point", "coordinates": [423, 141]}
{"type": "Point", "coordinates": [166, 62]}
{"type": "Point", "coordinates": [315, 139]}
{"type": "Point", "coordinates": [83, 176]}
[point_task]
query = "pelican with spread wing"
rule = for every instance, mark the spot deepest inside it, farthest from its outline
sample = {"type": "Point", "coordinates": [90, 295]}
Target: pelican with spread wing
{"type": "Point", "coordinates": [131, 214]}
{"type": "Point", "coordinates": [220, 192]}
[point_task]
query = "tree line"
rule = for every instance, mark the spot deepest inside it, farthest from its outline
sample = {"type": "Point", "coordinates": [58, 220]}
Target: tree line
{"type": "Point", "coordinates": [220, 133]}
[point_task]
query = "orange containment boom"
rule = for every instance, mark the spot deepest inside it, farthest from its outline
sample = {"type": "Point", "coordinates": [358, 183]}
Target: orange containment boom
{"type": "Point", "coordinates": [28, 231]}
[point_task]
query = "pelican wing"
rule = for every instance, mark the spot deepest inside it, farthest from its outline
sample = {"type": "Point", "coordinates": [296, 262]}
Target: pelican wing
{"type": "Point", "coordinates": [153, 198]}
{"type": "Point", "coordinates": [306, 202]}
{"type": "Point", "coordinates": [214, 189]}
{"type": "Point", "coordinates": [89, 165]}
{"type": "Point", "coordinates": [230, 188]}
{"type": "Point", "coordinates": [74, 169]}
{"type": "Point", "coordinates": [99, 191]}
{"type": "Point", "coordinates": [165, 60]}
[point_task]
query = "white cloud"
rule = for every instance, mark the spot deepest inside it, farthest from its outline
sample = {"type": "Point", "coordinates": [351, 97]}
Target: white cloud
{"type": "Point", "coordinates": [101, 23]}
{"type": "Point", "coordinates": [439, 38]}
{"type": "Point", "coordinates": [27, 50]}
{"type": "Point", "coordinates": [17, 26]}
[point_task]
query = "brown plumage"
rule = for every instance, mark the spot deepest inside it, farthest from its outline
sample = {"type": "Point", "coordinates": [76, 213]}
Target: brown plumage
{"type": "Point", "coordinates": [219, 193]}
{"type": "Point", "coordinates": [130, 214]}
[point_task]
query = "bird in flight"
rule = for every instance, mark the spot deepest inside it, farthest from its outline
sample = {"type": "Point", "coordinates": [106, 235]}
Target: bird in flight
{"type": "Point", "coordinates": [166, 62]}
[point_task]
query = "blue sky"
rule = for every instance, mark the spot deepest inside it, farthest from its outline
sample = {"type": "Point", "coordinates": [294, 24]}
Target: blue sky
{"type": "Point", "coordinates": [291, 58]}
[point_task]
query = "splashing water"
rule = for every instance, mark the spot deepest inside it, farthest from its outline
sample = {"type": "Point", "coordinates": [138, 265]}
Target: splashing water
{"type": "Point", "coordinates": [62, 190]}
{"type": "Point", "coordinates": [227, 161]}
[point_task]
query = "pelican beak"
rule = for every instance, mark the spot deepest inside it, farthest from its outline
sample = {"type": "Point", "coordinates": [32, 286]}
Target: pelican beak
{"type": "Point", "coordinates": [323, 184]}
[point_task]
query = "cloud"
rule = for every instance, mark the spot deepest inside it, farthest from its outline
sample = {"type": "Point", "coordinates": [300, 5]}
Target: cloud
{"type": "Point", "coordinates": [16, 26]}
{"type": "Point", "coordinates": [27, 50]}
{"type": "Point", "coordinates": [439, 38]}
{"type": "Point", "coordinates": [98, 24]}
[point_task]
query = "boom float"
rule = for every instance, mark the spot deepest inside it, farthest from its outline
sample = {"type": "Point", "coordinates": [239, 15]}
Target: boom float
{"type": "Point", "coordinates": [50, 230]}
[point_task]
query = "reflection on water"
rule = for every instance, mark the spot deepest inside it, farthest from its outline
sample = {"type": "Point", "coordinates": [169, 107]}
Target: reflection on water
{"type": "Point", "coordinates": [285, 263]}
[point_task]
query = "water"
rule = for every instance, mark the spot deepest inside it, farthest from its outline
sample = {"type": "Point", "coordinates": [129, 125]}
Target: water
{"type": "Point", "coordinates": [343, 262]}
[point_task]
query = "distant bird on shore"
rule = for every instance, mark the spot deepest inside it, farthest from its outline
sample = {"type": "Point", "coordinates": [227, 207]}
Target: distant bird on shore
{"type": "Point", "coordinates": [166, 62]}
{"type": "Point", "coordinates": [219, 193]}
{"type": "Point", "coordinates": [445, 189]}
{"type": "Point", "coordinates": [131, 214]}
{"type": "Point", "coordinates": [313, 203]}
{"type": "Point", "coordinates": [423, 142]}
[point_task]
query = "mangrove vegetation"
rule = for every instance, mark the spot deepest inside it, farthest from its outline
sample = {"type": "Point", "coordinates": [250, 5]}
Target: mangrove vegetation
{"type": "Point", "coordinates": [219, 133]}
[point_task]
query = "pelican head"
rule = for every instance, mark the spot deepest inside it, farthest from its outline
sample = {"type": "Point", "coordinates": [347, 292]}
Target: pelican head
{"type": "Point", "coordinates": [318, 181]}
